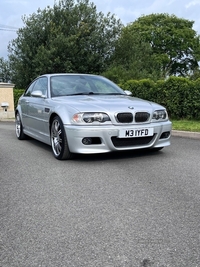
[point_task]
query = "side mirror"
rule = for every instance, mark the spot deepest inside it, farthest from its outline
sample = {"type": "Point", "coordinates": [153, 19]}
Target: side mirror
{"type": "Point", "coordinates": [37, 94]}
{"type": "Point", "coordinates": [128, 92]}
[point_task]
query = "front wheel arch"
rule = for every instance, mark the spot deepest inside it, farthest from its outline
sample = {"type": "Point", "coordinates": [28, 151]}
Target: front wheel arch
{"type": "Point", "coordinates": [58, 139]}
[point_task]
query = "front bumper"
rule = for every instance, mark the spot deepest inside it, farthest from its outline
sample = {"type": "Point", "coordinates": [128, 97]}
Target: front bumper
{"type": "Point", "coordinates": [109, 141]}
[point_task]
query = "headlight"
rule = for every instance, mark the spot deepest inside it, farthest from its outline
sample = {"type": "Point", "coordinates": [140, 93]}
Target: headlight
{"type": "Point", "coordinates": [160, 115]}
{"type": "Point", "coordinates": [90, 117]}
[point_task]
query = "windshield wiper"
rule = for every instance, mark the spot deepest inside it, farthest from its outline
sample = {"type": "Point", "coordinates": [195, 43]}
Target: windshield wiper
{"type": "Point", "coordinates": [84, 93]}
{"type": "Point", "coordinates": [92, 93]}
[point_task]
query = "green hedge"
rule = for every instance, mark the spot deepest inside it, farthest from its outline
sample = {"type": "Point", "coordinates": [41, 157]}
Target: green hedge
{"type": "Point", "coordinates": [17, 93]}
{"type": "Point", "coordinates": [180, 96]}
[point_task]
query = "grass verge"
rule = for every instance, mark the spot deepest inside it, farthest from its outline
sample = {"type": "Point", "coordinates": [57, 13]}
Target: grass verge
{"type": "Point", "coordinates": [186, 125]}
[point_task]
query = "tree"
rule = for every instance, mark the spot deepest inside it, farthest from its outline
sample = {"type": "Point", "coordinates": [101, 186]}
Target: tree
{"type": "Point", "coordinates": [175, 45]}
{"type": "Point", "coordinates": [4, 70]}
{"type": "Point", "coordinates": [133, 58]}
{"type": "Point", "coordinates": [70, 37]}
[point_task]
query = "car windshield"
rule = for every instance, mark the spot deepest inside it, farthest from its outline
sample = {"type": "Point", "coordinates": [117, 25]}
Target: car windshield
{"type": "Point", "coordinates": [69, 85]}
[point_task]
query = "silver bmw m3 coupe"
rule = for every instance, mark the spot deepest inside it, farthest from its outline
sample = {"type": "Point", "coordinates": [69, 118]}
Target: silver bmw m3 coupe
{"type": "Point", "coordinates": [88, 114]}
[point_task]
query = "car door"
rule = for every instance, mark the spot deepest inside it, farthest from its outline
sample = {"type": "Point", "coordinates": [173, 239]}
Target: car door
{"type": "Point", "coordinates": [37, 108]}
{"type": "Point", "coordinates": [24, 103]}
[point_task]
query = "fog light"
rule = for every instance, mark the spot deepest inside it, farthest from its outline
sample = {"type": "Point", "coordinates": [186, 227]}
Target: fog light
{"type": "Point", "coordinates": [87, 141]}
{"type": "Point", "coordinates": [165, 135]}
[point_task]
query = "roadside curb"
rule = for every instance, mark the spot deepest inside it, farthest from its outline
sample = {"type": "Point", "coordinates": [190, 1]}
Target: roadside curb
{"type": "Point", "coordinates": [187, 134]}
{"type": "Point", "coordinates": [194, 135]}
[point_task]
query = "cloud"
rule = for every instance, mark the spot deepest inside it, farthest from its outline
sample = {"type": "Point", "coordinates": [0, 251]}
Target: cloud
{"type": "Point", "coordinates": [193, 3]}
{"type": "Point", "coordinates": [127, 10]}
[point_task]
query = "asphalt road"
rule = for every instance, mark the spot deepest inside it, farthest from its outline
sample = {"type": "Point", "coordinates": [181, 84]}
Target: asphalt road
{"type": "Point", "coordinates": [114, 210]}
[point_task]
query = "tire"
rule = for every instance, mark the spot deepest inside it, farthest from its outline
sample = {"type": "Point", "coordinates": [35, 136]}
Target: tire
{"type": "Point", "coordinates": [59, 142]}
{"type": "Point", "coordinates": [19, 127]}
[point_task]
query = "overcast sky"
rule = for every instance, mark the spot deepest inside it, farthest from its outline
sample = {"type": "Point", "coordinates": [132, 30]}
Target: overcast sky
{"type": "Point", "coordinates": [11, 12]}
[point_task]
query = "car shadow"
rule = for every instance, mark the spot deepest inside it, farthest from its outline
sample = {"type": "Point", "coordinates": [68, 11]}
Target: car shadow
{"type": "Point", "coordinates": [117, 155]}
{"type": "Point", "coordinates": [101, 156]}
{"type": "Point", "coordinates": [38, 144]}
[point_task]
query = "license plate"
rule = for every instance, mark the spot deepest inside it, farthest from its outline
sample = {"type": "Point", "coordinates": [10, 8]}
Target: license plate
{"type": "Point", "coordinates": [142, 132]}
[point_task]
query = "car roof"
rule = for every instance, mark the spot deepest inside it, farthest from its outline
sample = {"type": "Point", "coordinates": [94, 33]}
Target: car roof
{"type": "Point", "coordinates": [64, 74]}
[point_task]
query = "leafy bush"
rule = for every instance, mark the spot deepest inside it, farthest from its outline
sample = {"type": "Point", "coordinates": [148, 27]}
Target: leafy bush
{"type": "Point", "coordinates": [142, 89]}
{"type": "Point", "coordinates": [180, 96]}
{"type": "Point", "coordinates": [17, 93]}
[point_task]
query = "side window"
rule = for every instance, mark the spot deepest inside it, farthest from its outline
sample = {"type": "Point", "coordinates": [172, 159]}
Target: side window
{"type": "Point", "coordinates": [41, 85]}
{"type": "Point", "coordinates": [29, 89]}
{"type": "Point", "coordinates": [38, 85]}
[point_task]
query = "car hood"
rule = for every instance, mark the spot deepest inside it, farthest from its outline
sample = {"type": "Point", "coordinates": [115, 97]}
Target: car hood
{"type": "Point", "coordinates": [105, 103]}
